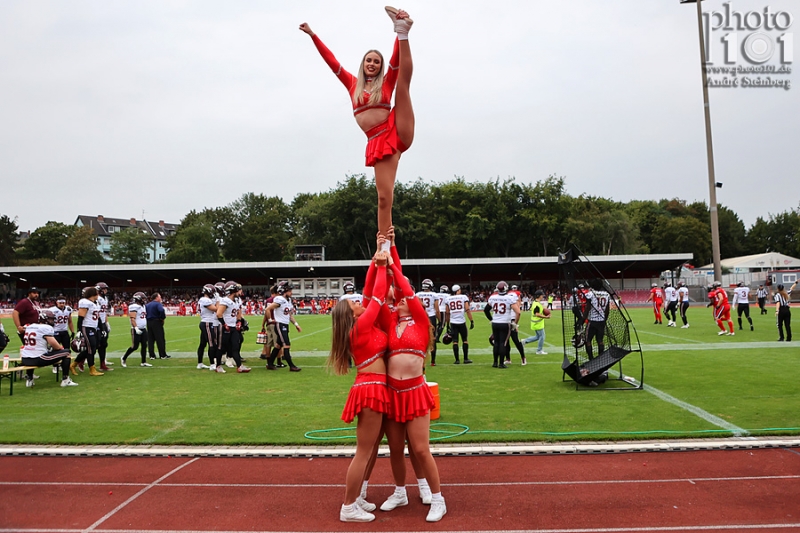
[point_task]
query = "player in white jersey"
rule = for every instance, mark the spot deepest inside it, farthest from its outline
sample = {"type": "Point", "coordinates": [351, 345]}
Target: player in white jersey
{"type": "Point", "coordinates": [229, 313]}
{"type": "Point", "coordinates": [430, 301]}
{"type": "Point", "coordinates": [138, 317]}
{"type": "Point", "coordinates": [281, 310]}
{"type": "Point", "coordinates": [502, 310]}
{"type": "Point", "coordinates": [64, 327]}
{"type": "Point", "coordinates": [444, 291]}
{"type": "Point", "coordinates": [683, 302]}
{"type": "Point", "coordinates": [350, 293]}
{"type": "Point", "coordinates": [103, 327]}
{"type": "Point", "coordinates": [595, 316]}
{"type": "Point", "coordinates": [514, 291]}
{"type": "Point", "coordinates": [207, 305]}
{"type": "Point", "coordinates": [88, 319]}
{"type": "Point", "coordinates": [40, 348]}
{"type": "Point", "coordinates": [741, 299]}
{"type": "Point", "coordinates": [671, 303]}
{"type": "Point", "coordinates": [456, 315]}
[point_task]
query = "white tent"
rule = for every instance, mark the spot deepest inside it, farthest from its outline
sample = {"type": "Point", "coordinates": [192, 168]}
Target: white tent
{"type": "Point", "coordinates": [758, 263]}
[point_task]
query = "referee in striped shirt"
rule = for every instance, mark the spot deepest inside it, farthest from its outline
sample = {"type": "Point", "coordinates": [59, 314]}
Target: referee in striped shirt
{"type": "Point", "coordinates": [762, 294]}
{"type": "Point", "coordinates": [783, 311]}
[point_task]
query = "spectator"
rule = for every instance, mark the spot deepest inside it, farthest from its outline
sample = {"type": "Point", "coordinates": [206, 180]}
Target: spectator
{"type": "Point", "coordinates": [26, 312]}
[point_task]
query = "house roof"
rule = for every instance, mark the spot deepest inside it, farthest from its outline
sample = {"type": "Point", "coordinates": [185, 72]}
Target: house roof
{"type": "Point", "coordinates": [768, 260]}
{"type": "Point", "coordinates": [100, 224]}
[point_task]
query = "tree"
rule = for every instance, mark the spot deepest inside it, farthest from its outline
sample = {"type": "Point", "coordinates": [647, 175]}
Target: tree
{"type": "Point", "coordinates": [683, 234]}
{"type": "Point", "coordinates": [8, 240]}
{"type": "Point", "coordinates": [781, 233]}
{"type": "Point", "coordinates": [194, 241]}
{"type": "Point", "coordinates": [256, 228]}
{"type": "Point", "coordinates": [130, 246]}
{"type": "Point", "coordinates": [81, 249]}
{"type": "Point", "coordinates": [732, 233]}
{"type": "Point", "coordinates": [46, 241]}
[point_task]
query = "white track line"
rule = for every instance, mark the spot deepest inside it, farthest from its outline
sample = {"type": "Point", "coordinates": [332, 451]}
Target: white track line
{"type": "Point", "coordinates": [129, 500]}
{"type": "Point", "coordinates": [645, 529]}
{"type": "Point", "coordinates": [691, 481]}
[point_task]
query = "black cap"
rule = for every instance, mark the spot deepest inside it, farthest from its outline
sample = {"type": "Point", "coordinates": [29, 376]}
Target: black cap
{"type": "Point", "coordinates": [33, 289]}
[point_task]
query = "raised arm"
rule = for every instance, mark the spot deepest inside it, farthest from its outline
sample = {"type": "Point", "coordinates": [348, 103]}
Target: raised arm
{"type": "Point", "coordinates": [368, 318]}
{"type": "Point", "coordinates": [414, 305]}
{"type": "Point", "coordinates": [347, 79]}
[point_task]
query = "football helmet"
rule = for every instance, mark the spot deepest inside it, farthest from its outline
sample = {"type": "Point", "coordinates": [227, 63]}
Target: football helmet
{"type": "Point", "coordinates": [46, 316]}
{"type": "Point", "coordinates": [427, 284]}
{"type": "Point", "coordinates": [443, 289]}
{"type": "Point", "coordinates": [717, 283]}
{"type": "Point", "coordinates": [209, 290]}
{"type": "Point", "coordinates": [101, 287]}
{"type": "Point", "coordinates": [681, 284]}
{"type": "Point", "coordinates": [447, 338]}
{"type": "Point", "coordinates": [456, 288]}
{"type": "Point", "coordinates": [220, 288]}
{"type": "Point", "coordinates": [740, 284]}
{"type": "Point", "coordinates": [654, 285]}
{"type": "Point", "coordinates": [284, 287]}
{"type": "Point", "coordinates": [667, 284]}
{"type": "Point", "coordinates": [349, 287]}
{"type": "Point", "coordinates": [502, 287]}
{"type": "Point", "coordinates": [88, 292]}
{"type": "Point", "coordinates": [579, 339]}
{"type": "Point", "coordinates": [514, 288]}
{"type": "Point", "coordinates": [232, 287]}
{"type": "Point", "coordinates": [139, 297]}
{"type": "Point", "coordinates": [78, 344]}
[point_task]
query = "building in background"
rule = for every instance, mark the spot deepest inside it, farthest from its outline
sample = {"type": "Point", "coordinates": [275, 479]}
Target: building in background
{"type": "Point", "coordinates": [105, 227]}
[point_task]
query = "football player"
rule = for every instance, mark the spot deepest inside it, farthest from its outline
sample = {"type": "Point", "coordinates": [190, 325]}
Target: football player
{"type": "Point", "coordinates": [208, 327]}
{"type": "Point", "coordinates": [671, 298]}
{"type": "Point", "coordinates": [138, 317]}
{"type": "Point", "coordinates": [350, 293]}
{"type": "Point", "coordinates": [683, 302]}
{"type": "Point", "coordinates": [282, 311]}
{"type": "Point", "coordinates": [657, 298]}
{"type": "Point", "coordinates": [456, 316]}
{"type": "Point", "coordinates": [741, 299]}
{"type": "Point", "coordinates": [502, 310]}
{"type": "Point", "coordinates": [88, 318]}
{"type": "Point", "coordinates": [40, 348]}
{"type": "Point", "coordinates": [430, 301]}
{"type": "Point", "coordinates": [103, 327]}
{"type": "Point", "coordinates": [229, 314]}
{"type": "Point", "coordinates": [64, 327]}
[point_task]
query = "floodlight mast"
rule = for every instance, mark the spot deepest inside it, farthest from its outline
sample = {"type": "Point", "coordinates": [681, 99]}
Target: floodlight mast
{"type": "Point", "coordinates": [712, 182]}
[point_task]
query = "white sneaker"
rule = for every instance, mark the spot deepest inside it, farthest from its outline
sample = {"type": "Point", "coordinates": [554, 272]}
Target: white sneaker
{"type": "Point", "coordinates": [68, 383]}
{"type": "Point", "coordinates": [230, 363]}
{"type": "Point", "coordinates": [730, 334]}
{"type": "Point", "coordinates": [541, 352]}
{"type": "Point", "coordinates": [145, 364]}
{"type": "Point", "coordinates": [55, 370]}
{"type": "Point", "coordinates": [29, 382]}
{"type": "Point", "coordinates": [35, 376]}
{"type": "Point", "coordinates": [122, 362]}
{"type": "Point", "coordinates": [425, 494]}
{"type": "Point", "coordinates": [354, 513]}
{"type": "Point", "coordinates": [685, 326]}
{"type": "Point", "coordinates": [397, 499]}
{"type": "Point", "coordinates": [213, 367]}
{"type": "Point", "coordinates": [201, 366]}
{"type": "Point", "coordinates": [721, 333]}
{"type": "Point", "coordinates": [364, 504]}
{"type": "Point", "coordinates": [220, 370]}
{"type": "Point", "coordinates": [438, 510]}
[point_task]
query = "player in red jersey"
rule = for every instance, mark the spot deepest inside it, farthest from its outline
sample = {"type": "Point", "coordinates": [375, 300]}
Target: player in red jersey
{"type": "Point", "coordinates": [390, 131]}
{"type": "Point", "coordinates": [656, 296]}
{"type": "Point", "coordinates": [722, 309]}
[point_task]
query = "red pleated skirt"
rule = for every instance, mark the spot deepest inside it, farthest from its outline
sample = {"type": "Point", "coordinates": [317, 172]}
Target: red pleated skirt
{"type": "Point", "coordinates": [409, 398]}
{"type": "Point", "coordinates": [382, 141]}
{"type": "Point", "coordinates": [369, 391]}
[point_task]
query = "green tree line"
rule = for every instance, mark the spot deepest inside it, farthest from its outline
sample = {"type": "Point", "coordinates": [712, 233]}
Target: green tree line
{"type": "Point", "coordinates": [433, 220]}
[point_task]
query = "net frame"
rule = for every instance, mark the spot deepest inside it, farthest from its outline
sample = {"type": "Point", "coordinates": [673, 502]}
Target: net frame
{"type": "Point", "coordinates": [591, 346]}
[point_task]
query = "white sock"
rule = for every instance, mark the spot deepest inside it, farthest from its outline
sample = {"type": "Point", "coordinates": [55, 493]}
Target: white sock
{"type": "Point", "coordinates": [400, 490]}
{"type": "Point", "coordinates": [437, 497]}
{"type": "Point", "coordinates": [364, 489]}
{"type": "Point", "coordinates": [422, 482]}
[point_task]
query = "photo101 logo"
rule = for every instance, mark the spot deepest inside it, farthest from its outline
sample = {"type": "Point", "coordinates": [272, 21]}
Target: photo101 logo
{"type": "Point", "coordinates": [749, 49]}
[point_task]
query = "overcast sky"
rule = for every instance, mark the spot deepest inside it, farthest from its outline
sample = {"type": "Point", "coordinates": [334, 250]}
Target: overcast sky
{"type": "Point", "coordinates": [121, 107]}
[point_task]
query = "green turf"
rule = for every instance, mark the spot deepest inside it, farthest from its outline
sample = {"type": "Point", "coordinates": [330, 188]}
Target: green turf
{"type": "Point", "coordinates": [747, 380]}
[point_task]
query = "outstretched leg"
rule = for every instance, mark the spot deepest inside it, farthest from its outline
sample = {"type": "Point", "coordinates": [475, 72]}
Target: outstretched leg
{"type": "Point", "coordinates": [385, 176]}
{"type": "Point", "coordinates": [404, 111]}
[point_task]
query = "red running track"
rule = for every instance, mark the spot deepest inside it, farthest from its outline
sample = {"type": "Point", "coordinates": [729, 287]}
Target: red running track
{"type": "Point", "coordinates": [731, 490]}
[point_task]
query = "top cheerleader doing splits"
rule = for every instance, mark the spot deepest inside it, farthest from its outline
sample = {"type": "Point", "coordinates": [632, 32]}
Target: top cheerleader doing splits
{"type": "Point", "coordinates": [390, 131]}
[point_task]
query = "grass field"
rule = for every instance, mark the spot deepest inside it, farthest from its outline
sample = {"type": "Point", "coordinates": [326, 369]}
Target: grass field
{"type": "Point", "coordinates": [697, 384]}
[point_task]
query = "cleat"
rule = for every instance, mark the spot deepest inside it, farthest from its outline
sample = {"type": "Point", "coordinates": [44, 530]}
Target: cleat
{"type": "Point", "coordinates": [243, 369]}
{"type": "Point", "coordinates": [280, 365]}
{"type": "Point", "coordinates": [457, 362]}
{"type": "Point", "coordinates": [146, 365]}
{"type": "Point", "coordinates": [494, 365]}
{"type": "Point", "coordinates": [105, 368]}
{"type": "Point", "coordinates": [541, 352]}
{"type": "Point", "coordinates": [433, 364]}
{"type": "Point", "coordinates": [29, 382]}
{"type": "Point", "coordinates": [122, 362]}
{"type": "Point", "coordinates": [271, 367]}
{"type": "Point", "coordinates": [354, 513]}
{"type": "Point", "coordinates": [467, 361]}
{"type": "Point", "coordinates": [364, 504]}
{"type": "Point", "coordinates": [731, 334]}
{"type": "Point", "coordinates": [397, 499]}
{"type": "Point", "coordinates": [751, 327]}
{"type": "Point", "coordinates": [508, 361]}
{"type": "Point", "coordinates": [220, 370]}
{"type": "Point", "coordinates": [438, 510]}
{"type": "Point", "coordinates": [94, 372]}
{"type": "Point", "coordinates": [213, 367]}
{"type": "Point", "coordinates": [80, 367]}
{"type": "Point", "coordinates": [68, 383]}
{"type": "Point", "coordinates": [201, 366]}
{"type": "Point", "coordinates": [686, 326]}
{"type": "Point", "coordinates": [721, 333]}
{"type": "Point", "coordinates": [166, 357]}
{"type": "Point", "coordinates": [73, 368]}
{"type": "Point", "coordinates": [295, 369]}
{"type": "Point", "coordinates": [524, 361]}
{"type": "Point", "coordinates": [501, 366]}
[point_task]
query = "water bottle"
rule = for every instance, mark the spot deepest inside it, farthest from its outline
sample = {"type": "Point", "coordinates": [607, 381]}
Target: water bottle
{"type": "Point", "coordinates": [5, 361]}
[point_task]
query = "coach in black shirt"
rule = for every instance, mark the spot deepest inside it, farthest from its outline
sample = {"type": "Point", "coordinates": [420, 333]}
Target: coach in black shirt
{"type": "Point", "coordinates": [155, 326]}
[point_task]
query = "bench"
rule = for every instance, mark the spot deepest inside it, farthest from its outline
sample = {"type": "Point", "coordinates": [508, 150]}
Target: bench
{"type": "Point", "coordinates": [9, 374]}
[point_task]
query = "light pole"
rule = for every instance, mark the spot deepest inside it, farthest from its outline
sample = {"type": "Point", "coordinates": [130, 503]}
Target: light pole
{"type": "Point", "coordinates": [712, 182]}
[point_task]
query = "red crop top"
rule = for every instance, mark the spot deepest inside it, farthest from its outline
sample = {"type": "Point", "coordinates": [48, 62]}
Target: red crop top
{"type": "Point", "coordinates": [416, 336]}
{"type": "Point", "coordinates": [349, 81]}
{"type": "Point", "coordinates": [367, 341]}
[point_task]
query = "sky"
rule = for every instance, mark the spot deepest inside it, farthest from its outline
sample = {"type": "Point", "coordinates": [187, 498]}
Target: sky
{"type": "Point", "coordinates": [152, 108]}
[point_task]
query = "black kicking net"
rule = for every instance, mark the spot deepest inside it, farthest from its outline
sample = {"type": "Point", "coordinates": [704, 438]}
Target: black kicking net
{"type": "Point", "coordinates": [598, 331]}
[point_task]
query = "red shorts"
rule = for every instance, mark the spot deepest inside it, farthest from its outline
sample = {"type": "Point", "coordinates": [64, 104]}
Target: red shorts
{"type": "Point", "coordinates": [382, 140]}
{"type": "Point", "coordinates": [723, 313]}
{"type": "Point", "coordinates": [369, 391]}
{"type": "Point", "coordinates": [409, 398]}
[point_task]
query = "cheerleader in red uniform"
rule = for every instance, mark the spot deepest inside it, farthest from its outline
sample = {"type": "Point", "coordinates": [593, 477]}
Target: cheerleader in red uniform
{"type": "Point", "coordinates": [390, 131]}
{"type": "Point", "coordinates": [356, 335]}
{"type": "Point", "coordinates": [410, 398]}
